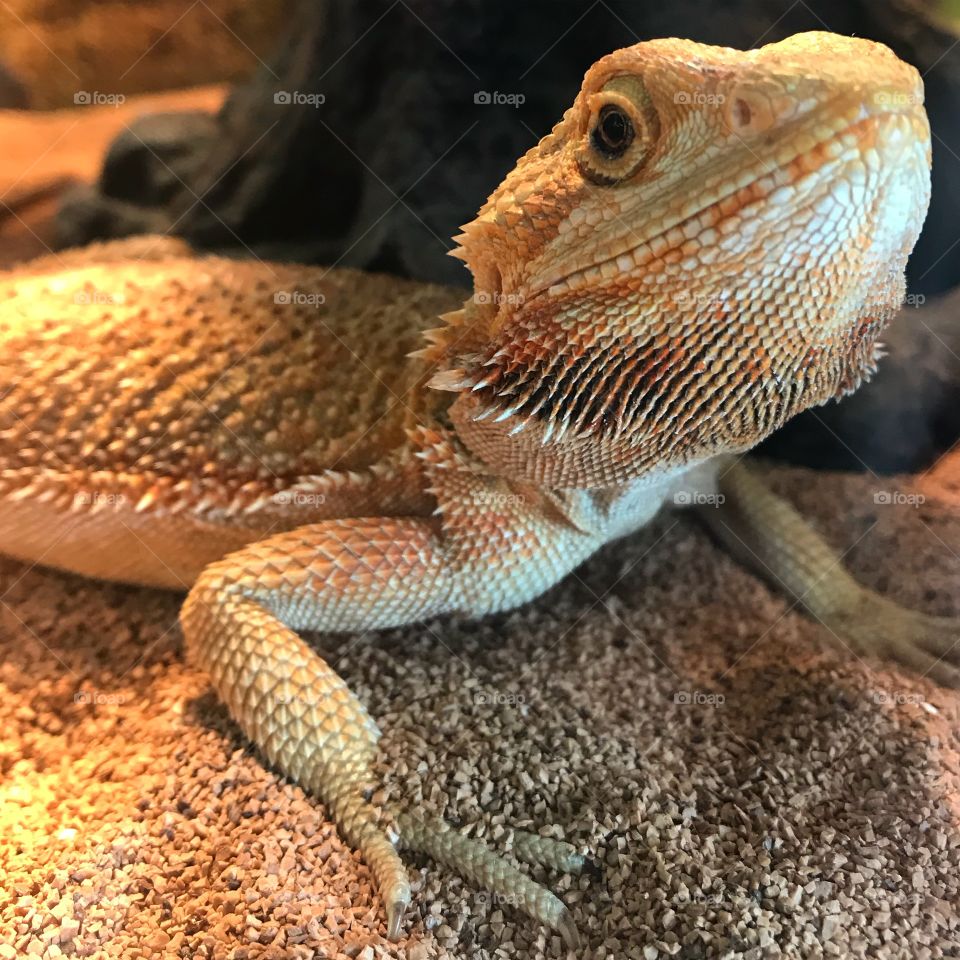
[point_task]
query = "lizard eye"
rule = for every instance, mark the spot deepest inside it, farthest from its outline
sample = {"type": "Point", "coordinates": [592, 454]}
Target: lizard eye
{"type": "Point", "coordinates": [621, 127]}
{"type": "Point", "coordinates": [614, 131]}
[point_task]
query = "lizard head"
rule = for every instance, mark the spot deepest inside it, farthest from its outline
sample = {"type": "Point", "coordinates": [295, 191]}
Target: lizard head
{"type": "Point", "coordinates": [708, 242]}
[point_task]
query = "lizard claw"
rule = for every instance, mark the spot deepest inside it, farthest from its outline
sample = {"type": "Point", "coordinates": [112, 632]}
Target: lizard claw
{"type": "Point", "coordinates": [567, 929]}
{"type": "Point", "coordinates": [395, 912]}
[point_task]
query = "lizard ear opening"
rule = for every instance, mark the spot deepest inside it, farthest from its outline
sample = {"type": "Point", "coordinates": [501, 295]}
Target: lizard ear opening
{"type": "Point", "coordinates": [487, 284]}
{"type": "Point", "coordinates": [621, 130]}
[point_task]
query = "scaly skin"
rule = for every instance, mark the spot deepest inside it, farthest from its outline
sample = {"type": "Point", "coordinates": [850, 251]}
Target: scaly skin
{"type": "Point", "coordinates": [708, 242]}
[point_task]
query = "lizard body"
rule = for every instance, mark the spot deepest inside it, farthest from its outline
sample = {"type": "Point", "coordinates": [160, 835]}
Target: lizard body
{"type": "Point", "coordinates": [267, 429]}
{"type": "Point", "coordinates": [708, 242]}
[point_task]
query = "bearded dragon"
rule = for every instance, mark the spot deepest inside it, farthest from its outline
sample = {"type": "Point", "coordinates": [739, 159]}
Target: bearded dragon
{"type": "Point", "coordinates": [707, 243]}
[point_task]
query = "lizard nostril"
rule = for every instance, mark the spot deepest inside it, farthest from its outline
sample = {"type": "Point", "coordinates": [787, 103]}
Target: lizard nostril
{"type": "Point", "coordinates": [747, 112]}
{"type": "Point", "coordinates": [741, 111]}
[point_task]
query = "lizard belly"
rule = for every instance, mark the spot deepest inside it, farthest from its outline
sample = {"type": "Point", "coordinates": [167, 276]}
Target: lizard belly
{"type": "Point", "coordinates": [117, 543]}
{"type": "Point", "coordinates": [133, 530]}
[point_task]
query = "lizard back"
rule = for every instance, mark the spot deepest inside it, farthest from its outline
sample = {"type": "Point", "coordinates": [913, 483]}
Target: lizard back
{"type": "Point", "coordinates": [237, 394]}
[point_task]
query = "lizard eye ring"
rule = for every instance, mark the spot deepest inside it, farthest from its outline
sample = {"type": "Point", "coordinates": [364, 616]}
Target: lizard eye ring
{"type": "Point", "coordinates": [621, 129]}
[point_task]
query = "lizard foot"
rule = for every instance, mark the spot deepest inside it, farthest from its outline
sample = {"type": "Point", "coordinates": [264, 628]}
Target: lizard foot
{"type": "Point", "coordinates": [769, 534]}
{"type": "Point", "coordinates": [476, 862]}
{"type": "Point", "coordinates": [872, 624]}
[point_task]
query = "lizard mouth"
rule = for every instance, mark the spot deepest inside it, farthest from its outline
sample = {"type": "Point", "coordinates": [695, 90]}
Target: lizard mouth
{"type": "Point", "coordinates": [817, 163]}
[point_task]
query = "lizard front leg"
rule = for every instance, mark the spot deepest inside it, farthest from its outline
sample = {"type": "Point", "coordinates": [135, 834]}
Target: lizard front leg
{"type": "Point", "coordinates": [769, 535]}
{"type": "Point", "coordinates": [240, 622]}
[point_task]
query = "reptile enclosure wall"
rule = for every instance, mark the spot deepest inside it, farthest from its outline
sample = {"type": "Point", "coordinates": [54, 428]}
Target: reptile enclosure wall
{"type": "Point", "coordinates": [808, 809]}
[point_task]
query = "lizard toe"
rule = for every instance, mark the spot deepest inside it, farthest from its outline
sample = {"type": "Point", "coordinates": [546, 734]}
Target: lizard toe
{"type": "Point", "coordinates": [476, 862]}
{"type": "Point", "coordinates": [927, 645]}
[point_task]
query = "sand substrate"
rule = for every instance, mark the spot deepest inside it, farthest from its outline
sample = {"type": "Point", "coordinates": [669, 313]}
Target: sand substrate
{"type": "Point", "coordinates": [744, 788]}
